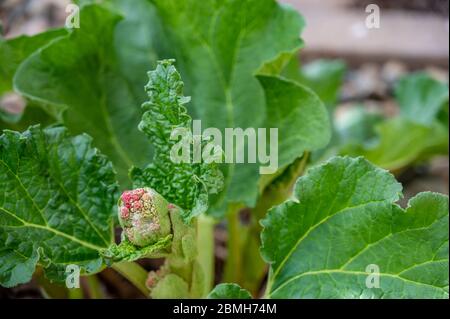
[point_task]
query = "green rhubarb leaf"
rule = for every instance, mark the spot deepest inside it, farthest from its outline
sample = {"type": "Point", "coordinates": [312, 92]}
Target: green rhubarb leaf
{"type": "Point", "coordinates": [401, 142]}
{"type": "Point", "coordinates": [325, 77]}
{"type": "Point", "coordinates": [126, 251]}
{"type": "Point", "coordinates": [418, 133]}
{"type": "Point", "coordinates": [135, 39]}
{"type": "Point", "coordinates": [357, 125]}
{"type": "Point", "coordinates": [343, 222]}
{"type": "Point", "coordinates": [78, 79]}
{"type": "Point", "coordinates": [57, 198]}
{"type": "Point", "coordinates": [185, 184]}
{"type": "Point", "coordinates": [299, 115]}
{"type": "Point", "coordinates": [14, 51]}
{"type": "Point", "coordinates": [421, 98]}
{"type": "Point", "coordinates": [220, 45]}
{"type": "Point", "coordinates": [229, 291]}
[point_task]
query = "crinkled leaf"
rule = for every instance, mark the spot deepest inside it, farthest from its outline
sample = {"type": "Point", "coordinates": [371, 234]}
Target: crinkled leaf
{"type": "Point", "coordinates": [78, 79]}
{"type": "Point", "coordinates": [229, 291]}
{"type": "Point", "coordinates": [185, 184]}
{"type": "Point", "coordinates": [126, 251]}
{"type": "Point", "coordinates": [343, 219]}
{"type": "Point", "coordinates": [421, 97]}
{"type": "Point", "coordinates": [57, 196]}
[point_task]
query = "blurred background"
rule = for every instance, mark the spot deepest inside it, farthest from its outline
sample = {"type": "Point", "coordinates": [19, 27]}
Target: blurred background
{"type": "Point", "coordinates": [413, 35]}
{"type": "Point", "coordinates": [413, 31]}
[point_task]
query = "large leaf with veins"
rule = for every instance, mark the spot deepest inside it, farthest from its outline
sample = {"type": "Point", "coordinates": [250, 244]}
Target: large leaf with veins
{"type": "Point", "coordinates": [343, 219]}
{"type": "Point", "coordinates": [219, 47]}
{"type": "Point", "coordinates": [79, 79]}
{"type": "Point", "coordinates": [57, 199]}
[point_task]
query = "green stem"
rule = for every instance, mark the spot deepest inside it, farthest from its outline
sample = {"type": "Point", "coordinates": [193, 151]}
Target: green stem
{"type": "Point", "coordinates": [275, 193]}
{"type": "Point", "coordinates": [75, 293]}
{"type": "Point", "coordinates": [134, 273]}
{"type": "Point", "coordinates": [205, 250]}
{"type": "Point", "coordinates": [233, 265]}
{"type": "Point", "coordinates": [48, 289]}
{"type": "Point", "coordinates": [95, 289]}
{"type": "Point", "coordinates": [279, 190]}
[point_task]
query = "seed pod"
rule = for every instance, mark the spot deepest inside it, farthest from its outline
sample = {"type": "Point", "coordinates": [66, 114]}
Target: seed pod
{"type": "Point", "coordinates": [144, 216]}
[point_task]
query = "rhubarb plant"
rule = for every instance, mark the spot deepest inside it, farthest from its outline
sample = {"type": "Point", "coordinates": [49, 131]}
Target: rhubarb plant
{"type": "Point", "coordinates": [89, 167]}
{"type": "Point", "coordinates": [59, 195]}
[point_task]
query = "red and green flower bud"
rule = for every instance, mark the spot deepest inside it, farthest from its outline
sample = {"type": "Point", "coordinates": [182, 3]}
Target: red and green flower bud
{"type": "Point", "coordinates": [144, 216]}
